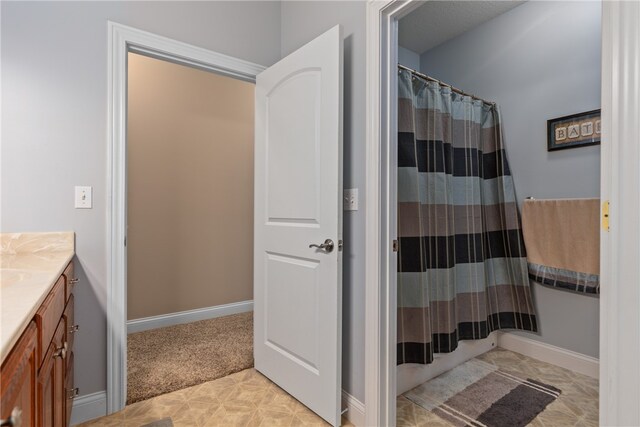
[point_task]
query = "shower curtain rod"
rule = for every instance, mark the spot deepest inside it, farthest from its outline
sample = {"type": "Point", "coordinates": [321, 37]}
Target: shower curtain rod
{"type": "Point", "coordinates": [453, 89]}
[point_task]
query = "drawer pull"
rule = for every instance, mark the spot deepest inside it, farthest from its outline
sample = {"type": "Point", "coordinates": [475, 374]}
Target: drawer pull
{"type": "Point", "coordinates": [72, 393]}
{"type": "Point", "coordinates": [14, 420]}
{"type": "Point", "coordinates": [61, 352]}
{"type": "Point", "coordinates": [73, 281]}
{"type": "Point", "coordinates": [74, 328]}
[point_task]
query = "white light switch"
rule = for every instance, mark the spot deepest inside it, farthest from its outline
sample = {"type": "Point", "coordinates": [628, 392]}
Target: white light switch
{"type": "Point", "coordinates": [84, 197]}
{"type": "Point", "coordinates": [351, 199]}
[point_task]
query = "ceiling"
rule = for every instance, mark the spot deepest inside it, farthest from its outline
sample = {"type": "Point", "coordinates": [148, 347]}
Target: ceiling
{"type": "Point", "coordinates": [438, 21]}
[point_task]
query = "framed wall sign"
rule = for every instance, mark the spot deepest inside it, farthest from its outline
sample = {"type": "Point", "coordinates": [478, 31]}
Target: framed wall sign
{"type": "Point", "coordinates": [577, 130]}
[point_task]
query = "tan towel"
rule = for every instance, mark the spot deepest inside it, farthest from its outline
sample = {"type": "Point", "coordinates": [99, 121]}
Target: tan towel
{"type": "Point", "coordinates": [562, 238]}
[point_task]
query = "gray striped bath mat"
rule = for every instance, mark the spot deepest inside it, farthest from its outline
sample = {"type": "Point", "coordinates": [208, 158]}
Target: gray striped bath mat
{"type": "Point", "coordinates": [480, 395]}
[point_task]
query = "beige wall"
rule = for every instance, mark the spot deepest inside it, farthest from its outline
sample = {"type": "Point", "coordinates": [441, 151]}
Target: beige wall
{"type": "Point", "coordinates": [190, 188]}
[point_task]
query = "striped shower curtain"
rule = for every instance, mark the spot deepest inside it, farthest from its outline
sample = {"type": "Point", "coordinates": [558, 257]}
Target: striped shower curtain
{"type": "Point", "coordinates": [462, 267]}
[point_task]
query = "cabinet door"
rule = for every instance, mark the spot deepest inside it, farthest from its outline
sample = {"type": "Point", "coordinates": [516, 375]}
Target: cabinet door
{"type": "Point", "coordinates": [70, 390]}
{"type": "Point", "coordinates": [51, 395]}
{"type": "Point", "coordinates": [70, 279]}
{"type": "Point", "coordinates": [48, 316]}
{"type": "Point", "coordinates": [72, 328]}
{"type": "Point", "coordinates": [18, 379]}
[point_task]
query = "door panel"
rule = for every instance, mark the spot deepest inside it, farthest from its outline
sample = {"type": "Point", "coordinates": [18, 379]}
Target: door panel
{"type": "Point", "coordinates": [298, 202]}
{"type": "Point", "coordinates": [293, 186]}
{"type": "Point", "coordinates": [291, 291]}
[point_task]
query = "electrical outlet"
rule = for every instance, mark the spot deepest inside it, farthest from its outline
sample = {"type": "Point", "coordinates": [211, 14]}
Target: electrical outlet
{"type": "Point", "coordinates": [84, 197]}
{"type": "Point", "coordinates": [350, 199]}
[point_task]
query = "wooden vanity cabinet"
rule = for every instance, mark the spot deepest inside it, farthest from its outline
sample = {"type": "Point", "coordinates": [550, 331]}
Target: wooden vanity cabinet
{"type": "Point", "coordinates": [70, 280]}
{"type": "Point", "coordinates": [51, 382]}
{"type": "Point", "coordinates": [18, 377]}
{"type": "Point", "coordinates": [37, 376]}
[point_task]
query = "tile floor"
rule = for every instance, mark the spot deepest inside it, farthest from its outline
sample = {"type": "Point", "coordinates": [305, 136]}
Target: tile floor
{"type": "Point", "coordinates": [249, 399]}
{"type": "Point", "coordinates": [576, 406]}
{"type": "Point", "coordinates": [246, 398]}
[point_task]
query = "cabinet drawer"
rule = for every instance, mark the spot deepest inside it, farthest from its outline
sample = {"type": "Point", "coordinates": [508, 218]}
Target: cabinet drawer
{"type": "Point", "coordinates": [70, 280]}
{"type": "Point", "coordinates": [18, 379]}
{"type": "Point", "coordinates": [48, 316]}
{"type": "Point", "coordinates": [69, 318]}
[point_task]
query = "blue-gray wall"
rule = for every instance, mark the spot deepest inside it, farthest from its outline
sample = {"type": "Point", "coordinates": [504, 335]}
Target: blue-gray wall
{"type": "Point", "coordinates": [54, 122]}
{"type": "Point", "coordinates": [408, 58]}
{"type": "Point", "coordinates": [538, 61]}
{"type": "Point", "coordinates": [54, 100]}
{"type": "Point", "coordinates": [55, 76]}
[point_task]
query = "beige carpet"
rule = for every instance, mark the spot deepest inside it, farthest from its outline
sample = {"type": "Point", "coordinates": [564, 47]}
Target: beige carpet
{"type": "Point", "coordinates": [167, 359]}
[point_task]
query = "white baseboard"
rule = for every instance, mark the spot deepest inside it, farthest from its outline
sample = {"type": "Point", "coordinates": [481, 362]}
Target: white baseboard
{"type": "Point", "coordinates": [146, 323]}
{"type": "Point", "coordinates": [354, 409]}
{"type": "Point", "coordinates": [94, 405]}
{"type": "Point", "coordinates": [558, 356]}
{"type": "Point", "coordinates": [89, 407]}
{"type": "Point", "coordinates": [411, 375]}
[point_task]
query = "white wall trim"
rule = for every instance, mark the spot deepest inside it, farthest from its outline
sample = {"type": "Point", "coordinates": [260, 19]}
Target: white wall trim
{"type": "Point", "coordinates": [121, 40]}
{"type": "Point", "coordinates": [620, 185]}
{"type": "Point", "coordinates": [380, 261]}
{"type": "Point", "coordinates": [576, 362]}
{"type": "Point", "coordinates": [354, 409]}
{"type": "Point", "coordinates": [89, 407]}
{"type": "Point", "coordinates": [188, 316]}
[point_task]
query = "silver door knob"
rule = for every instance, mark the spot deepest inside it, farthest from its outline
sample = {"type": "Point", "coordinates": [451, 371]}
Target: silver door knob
{"type": "Point", "coordinates": [327, 246]}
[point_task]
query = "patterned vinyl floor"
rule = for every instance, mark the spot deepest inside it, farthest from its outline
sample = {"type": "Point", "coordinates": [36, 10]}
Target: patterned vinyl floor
{"type": "Point", "coordinates": [249, 399]}
{"type": "Point", "coordinates": [245, 398]}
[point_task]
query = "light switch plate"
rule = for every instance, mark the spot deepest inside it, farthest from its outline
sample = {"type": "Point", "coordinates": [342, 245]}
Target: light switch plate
{"type": "Point", "coordinates": [350, 199]}
{"type": "Point", "coordinates": [84, 197]}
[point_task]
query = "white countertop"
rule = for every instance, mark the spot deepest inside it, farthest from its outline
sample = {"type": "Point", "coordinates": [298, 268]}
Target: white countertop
{"type": "Point", "coordinates": [30, 264]}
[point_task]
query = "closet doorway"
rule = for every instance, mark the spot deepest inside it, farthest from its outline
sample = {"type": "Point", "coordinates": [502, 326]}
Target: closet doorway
{"type": "Point", "coordinates": [190, 142]}
{"type": "Point", "coordinates": [298, 103]}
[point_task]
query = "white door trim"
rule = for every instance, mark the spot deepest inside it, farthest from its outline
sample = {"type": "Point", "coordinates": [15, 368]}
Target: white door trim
{"type": "Point", "coordinates": [620, 295]}
{"type": "Point", "coordinates": [121, 40]}
{"type": "Point", "coordinates": [380, 333]}
{"type": "Point", "coordinates": [620, 247]}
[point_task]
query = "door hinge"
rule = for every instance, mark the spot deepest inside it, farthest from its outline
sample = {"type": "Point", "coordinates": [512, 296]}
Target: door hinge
{"type": "Point", "coordinates": [395, 245]}
{"type": "Point", "coordinates": [605, 215]}
{"type": "Point", "coordinates": [125, 240]}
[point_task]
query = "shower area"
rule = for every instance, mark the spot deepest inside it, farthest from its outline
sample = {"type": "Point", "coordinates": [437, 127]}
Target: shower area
{"type": "Point", "coordinates": [462, 267]}
{"type": "Point", "coordinates": [476, 83]}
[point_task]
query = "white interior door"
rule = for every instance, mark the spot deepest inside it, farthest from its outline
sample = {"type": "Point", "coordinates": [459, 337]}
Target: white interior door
{"type": "Point", "coordinates": [298, 203]}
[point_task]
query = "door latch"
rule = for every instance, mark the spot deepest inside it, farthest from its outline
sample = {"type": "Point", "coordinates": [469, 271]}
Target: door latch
{"type": "Point", "coordinates": [395, 245]}
{"type": "Point", "coordinates": [605, 215]}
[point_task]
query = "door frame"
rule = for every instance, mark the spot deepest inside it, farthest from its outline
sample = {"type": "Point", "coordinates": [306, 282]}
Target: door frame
{"type": "Point", "coordinates": [619, 246]}
{"type": "Point", "coordinates": [122, 40]}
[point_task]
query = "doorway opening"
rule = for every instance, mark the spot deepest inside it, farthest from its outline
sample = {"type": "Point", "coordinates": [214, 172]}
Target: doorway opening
{"type": "Point", "coordinates": [175, 57]}
{"type": "Point", "coordinates": [190, 137]}
{"type": "Point", "coordinates": [472, 111]}
{"type": "Point", "coordinates": [298, 103]}
{"type": "Point", "coordinates": [617, 51]}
